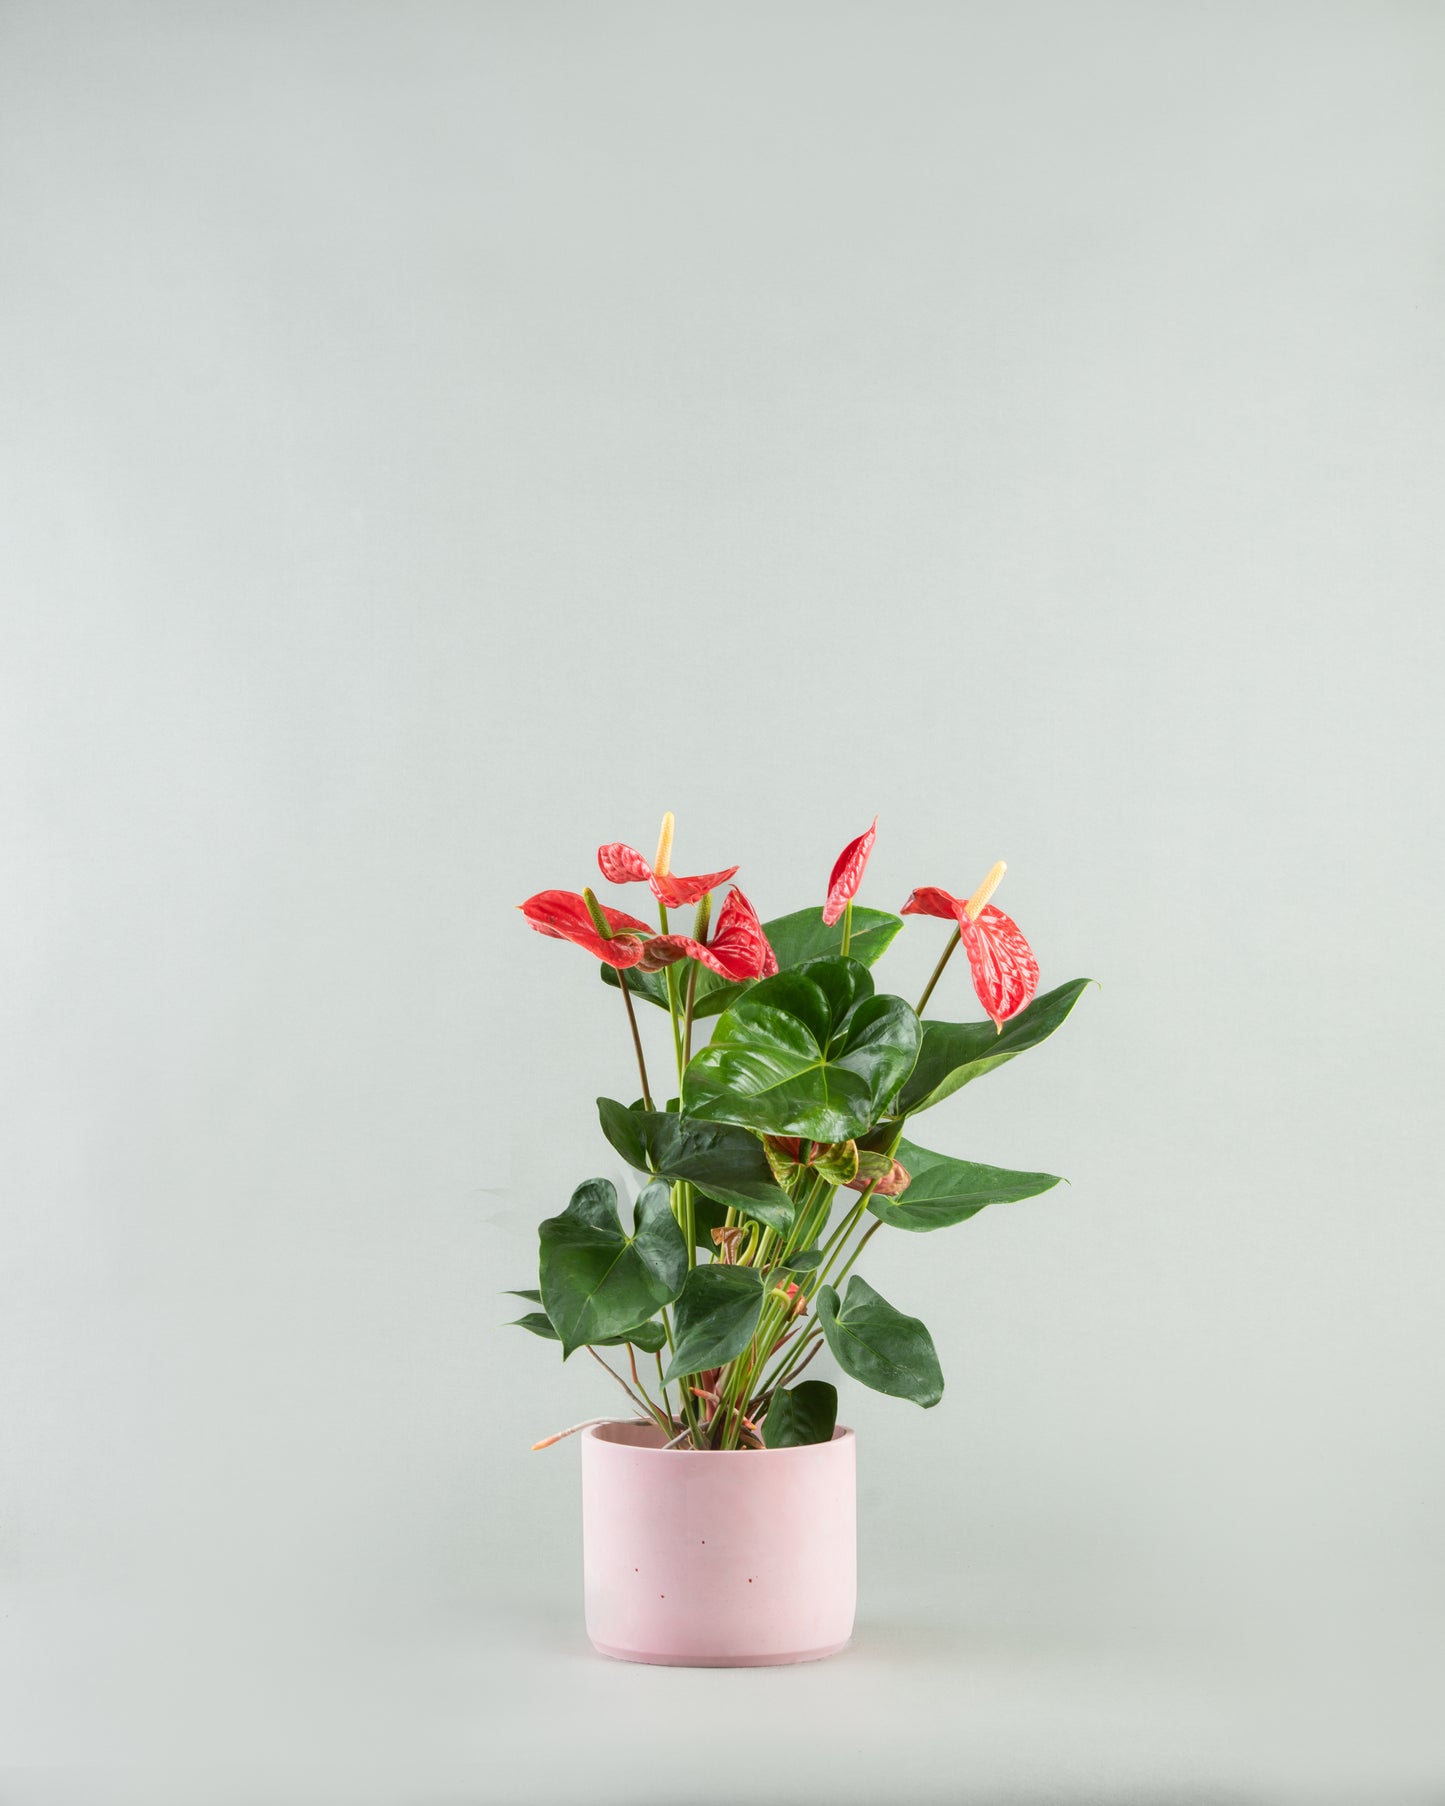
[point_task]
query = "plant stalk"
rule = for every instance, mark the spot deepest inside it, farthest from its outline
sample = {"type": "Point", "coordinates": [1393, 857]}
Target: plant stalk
{"type": "Point", "coordinates": [953, 941]}
{"type": "Point", "coordinates": [636, 1038]}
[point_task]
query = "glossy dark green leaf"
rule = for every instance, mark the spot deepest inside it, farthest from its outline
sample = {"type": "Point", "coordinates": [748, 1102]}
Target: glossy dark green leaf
{"type": "Point", "coordinates": [943, 1191]}
{"type": "Point", "coordinates": [807, 1413]}
{"type": "Point", "coordinates": [714, 1318]}
{"type": "Point", "coordinates": [707, 1215]}
{"type": "Point", "coordinates": [727, 1162]}
{"type": "Point", "coordinates": [879, 1345]}
{"type": "Point", "coordinates": [650, 1336]}
{"type": "Point", "coordinates": [794, 939]}
{"type": "Point", "coordinates": [598, 1281]}
{"type": "Point", "coordinates": [531, 1297]}
{"type": "Point", "coordinates": [538, 1322]}
{"type": "Point", "coordinates": [953, 1053]}
{"type": "Point", "coordinates": [804, 1261]}
{"type": "Point", "coordinates": [806, 1053]}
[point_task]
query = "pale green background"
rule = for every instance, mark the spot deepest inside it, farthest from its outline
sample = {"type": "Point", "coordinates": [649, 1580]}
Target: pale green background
{"type": "Point", "coordinates": [439, 438]}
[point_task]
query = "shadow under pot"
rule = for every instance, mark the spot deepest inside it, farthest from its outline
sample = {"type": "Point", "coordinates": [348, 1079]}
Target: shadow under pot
{"type": "Point", "coordinates": [717, 1559]}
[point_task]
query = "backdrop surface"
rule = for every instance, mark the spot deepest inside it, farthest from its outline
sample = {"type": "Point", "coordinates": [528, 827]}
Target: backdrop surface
{"type": "Point", "coordinates": [437, 439]}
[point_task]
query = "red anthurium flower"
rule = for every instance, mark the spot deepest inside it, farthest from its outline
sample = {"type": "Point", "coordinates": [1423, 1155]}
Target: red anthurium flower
{"type": "Point", "coordinates": [738, 948]}
{"type": "Point", "coordinates": [848, 874]}
{"type": "Point", "coordinates": [1005, 972]}
{"type": "Point", "coordinates": [565, 915]}
{"type": "Point", "coordinates": [622, 864]}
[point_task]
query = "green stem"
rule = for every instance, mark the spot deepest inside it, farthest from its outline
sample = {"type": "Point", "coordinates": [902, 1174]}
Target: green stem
{"type": "Point", "coordinates": [847, 926]}
{"type": "Point", "coordinates": [689, 1221]}
{"type": "Point", "coordinates": [689, 1404]}
{"type": "Point", "coordinates": [844, 1230]}
{"type": "Point", "coordinates": [662, 1388]}
{"type": "Point", "coordinates": [812, 1341]}
{"type": "Point", "coordinates": [636, 1038]}
{"type": "Point", "coordinates": [954, 939]}
{"type": "Point", "coordinates": [863, 1242]}
{"type": "Point", "coordinates": [687, 1013]}
{"type": "Point", "coordinates": [803, 1214]}
{"type": "Point", "coordinates": [673, 1000]}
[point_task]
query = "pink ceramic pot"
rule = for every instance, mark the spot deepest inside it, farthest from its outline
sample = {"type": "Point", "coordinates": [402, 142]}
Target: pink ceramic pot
{"type": "Point", "coordinates": [717, 1560]}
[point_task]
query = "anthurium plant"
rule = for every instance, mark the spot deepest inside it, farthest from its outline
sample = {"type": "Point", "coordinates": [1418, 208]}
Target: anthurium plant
{"type": "Point", "coordinates": [784, 1151]}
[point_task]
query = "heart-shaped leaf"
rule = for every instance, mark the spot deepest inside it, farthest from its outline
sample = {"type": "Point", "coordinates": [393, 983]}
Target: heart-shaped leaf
{"type": "Point", "coordinates": [714, 1318]}
{"type": "Point", "coordinates": [794, 939]}
{"type": "Point", "coordinates": [953, 1053]}
{"type": "Point", "coordinates": [806, 1053]}
{"type": "Point", "coordinates": [942, 1191]}
{"type": "Point", "coordinates": [726, 1162]}
{"type": "Point", "coordinates": [879, 1345]}
{"type": "Point", "coordinates": [808, 1413]}
{"type": "Point", "coordinates": [598, 1281]}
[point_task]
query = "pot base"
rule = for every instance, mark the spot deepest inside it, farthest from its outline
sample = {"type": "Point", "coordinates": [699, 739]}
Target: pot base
{"type": "Point", "coordinates": [727, 1661]}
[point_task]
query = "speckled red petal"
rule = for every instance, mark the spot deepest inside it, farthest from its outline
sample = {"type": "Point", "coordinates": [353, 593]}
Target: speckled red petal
{"type": "Point", "coordinates": [1005, 972]}
{"type": "Point", "coordinates": [564, 915]}
{"type": "Point", "coordinates": [621, 864]}
{"type": "Point", "coordinates": [739, 947]}
{"type": "Point", "coordinates": [930, 901]}
{"type": "Point", "coordinates": [847, 873]}
{"type": "Point", "coordinates": [675, 892]}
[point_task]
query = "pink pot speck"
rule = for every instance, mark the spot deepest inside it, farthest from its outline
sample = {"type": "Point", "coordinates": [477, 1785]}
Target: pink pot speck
{"type": "Point", "coordinates": [742, 1559]}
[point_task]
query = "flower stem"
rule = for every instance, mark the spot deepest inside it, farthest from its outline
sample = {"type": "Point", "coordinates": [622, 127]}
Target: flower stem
{"type": "Point", "coordinates": [669, 977]}
{"type": "Point", "coordinates": [644, 1404]}
{"type": "Point", "coordinates": [662, 1388]}
{"type": "Point", "coordinates": [863, 1242]}
{"type": "Point", "coordinates": [688, 1011]}
{"type": "Point", "coordinates": [847, 926]}
{"type": "Point", "coordinates": [789, 1368]}
{"type": "Point", "coordinates": [689, 1408]}
{"type": "Point", "coordinates": [636, 1038]}
{"type": "Point", "coordinates": [954, 939]}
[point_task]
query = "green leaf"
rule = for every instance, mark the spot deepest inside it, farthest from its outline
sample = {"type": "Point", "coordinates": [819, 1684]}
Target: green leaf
{"type": "Point", "coordinates": [728, 1163]}
{"type": "Point", "coordinates": [795, 939]}
{"type": "Point", "coordinates": [714, 1318]}
{"type": "Point", "coordinates": [803, 1262]}
{"type": "Point", "coordinates": [651, 986]}
{"type": "Point", "coordinates": [538, 1322]}
{"type": "Point", "coordinates": [707, 1215]}
{"type": "Point", "coordinates": [879, 1345]}
{"type": "Point", "coordinates": [648, 1336]}
{"type": "Point", "coordinates": [807, 1414]}
{"type": "Point", "coordinates": [806, 1053]}
{"type": "Point", "coordinates": [942, 1191]}
{"type": "Point", "coordinates": [598, 1281]}
{"type": "Point", "coordinates": [953, 1053]}
{"type": "Point", "coordinates": [531, 1297]}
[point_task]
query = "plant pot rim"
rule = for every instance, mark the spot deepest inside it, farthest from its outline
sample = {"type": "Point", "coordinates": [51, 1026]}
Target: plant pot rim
{"type": "Point", "coordinates": [604, 1435]}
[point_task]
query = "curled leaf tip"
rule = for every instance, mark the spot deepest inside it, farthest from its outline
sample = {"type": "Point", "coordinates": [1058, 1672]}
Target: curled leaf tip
{"type": "Point", "coordinates": [974, 906]}
{"type": "Point", "coordinates": [662, 864]}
